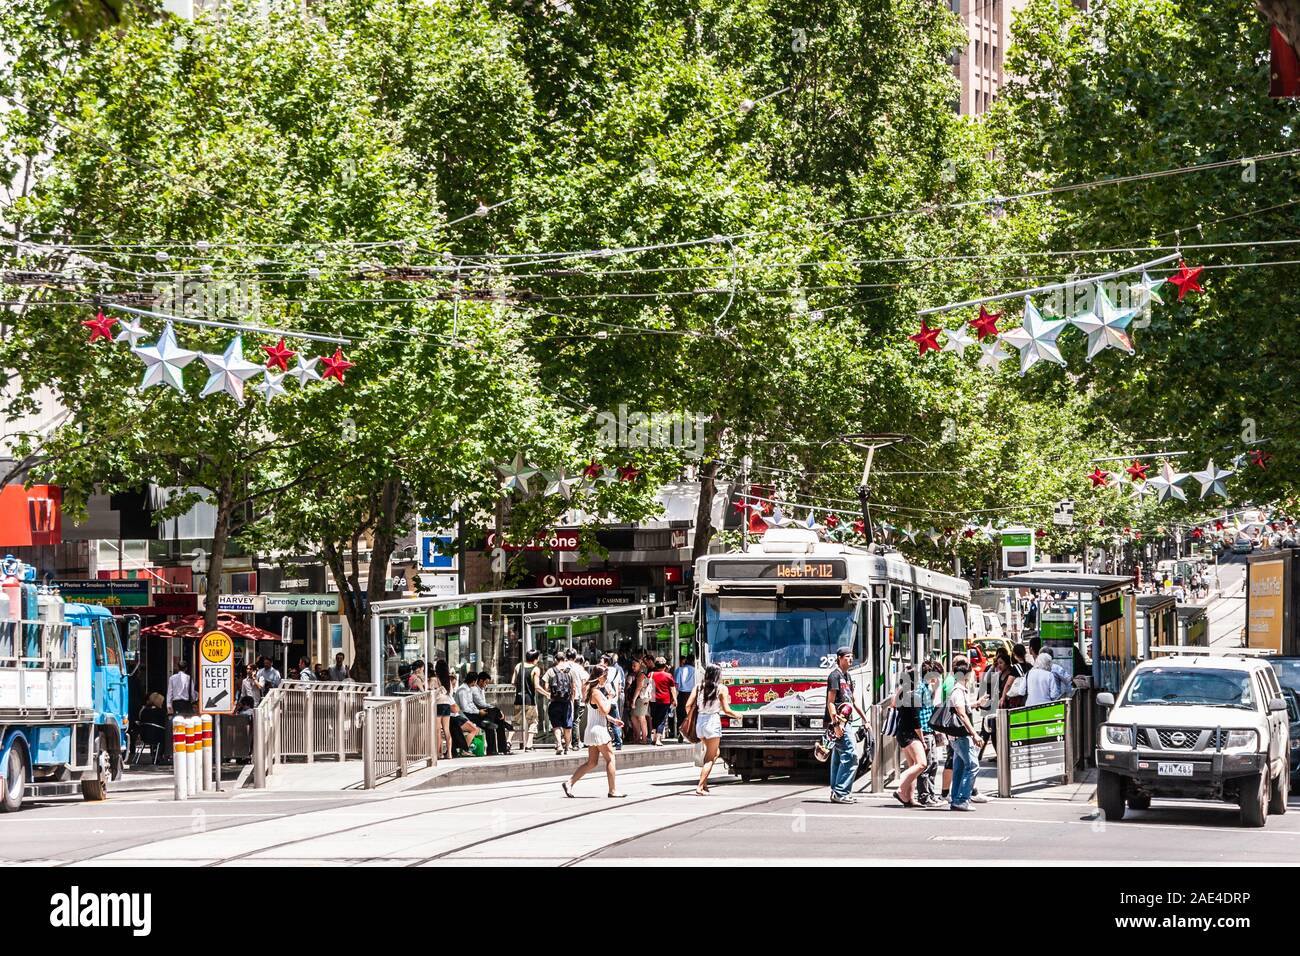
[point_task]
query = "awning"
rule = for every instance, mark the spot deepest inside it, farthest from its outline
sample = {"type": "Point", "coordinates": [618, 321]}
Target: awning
{"type": "Point", "coordinates": [1066, 581]}
{"type": "Point", "coordinates": [192, 626]}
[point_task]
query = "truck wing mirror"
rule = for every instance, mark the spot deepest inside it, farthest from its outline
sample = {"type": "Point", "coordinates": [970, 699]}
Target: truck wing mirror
{"type": "Point", "coordinates": [1106, 699]}
{"type": "Point", "coordinates": [1276, 704]}
{"type": "Point", "coordinates": [132, 650]}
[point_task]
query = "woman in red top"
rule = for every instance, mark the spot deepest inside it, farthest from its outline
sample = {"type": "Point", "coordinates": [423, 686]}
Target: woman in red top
{"type": "Point", "coordinates": [665, 688]}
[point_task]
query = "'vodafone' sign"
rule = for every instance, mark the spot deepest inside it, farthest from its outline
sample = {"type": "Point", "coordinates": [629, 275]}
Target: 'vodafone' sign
{"type": "Point", "coordinates": [558, 540]}
{"type": "Point", "coordinates": [578, 580]}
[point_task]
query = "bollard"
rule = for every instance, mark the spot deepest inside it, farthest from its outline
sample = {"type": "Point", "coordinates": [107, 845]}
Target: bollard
{"type": "Point", "coordinates": [193, 757]}
{"type": "Point", "coordinates": [206, 724]}
{"type": "Point", "coordinates": [179, 770]}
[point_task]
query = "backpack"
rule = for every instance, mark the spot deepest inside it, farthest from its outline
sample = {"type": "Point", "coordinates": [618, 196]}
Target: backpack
{"type": "Point", "coordinates": [561, 682]}
{"type": "Point", "coordinates": [647, 694]}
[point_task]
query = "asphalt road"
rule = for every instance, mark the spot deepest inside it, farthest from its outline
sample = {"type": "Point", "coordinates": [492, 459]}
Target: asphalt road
{"type": "Point", "coordinates": [779, 822]}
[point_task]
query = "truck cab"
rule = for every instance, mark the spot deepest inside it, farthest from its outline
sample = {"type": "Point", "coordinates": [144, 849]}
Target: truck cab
{"type": "Point", "coordinates": [63, 693]}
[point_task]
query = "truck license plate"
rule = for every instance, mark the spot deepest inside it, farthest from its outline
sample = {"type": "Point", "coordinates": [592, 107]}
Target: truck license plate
{"type": "Point", "coordinates": [1174, 769]}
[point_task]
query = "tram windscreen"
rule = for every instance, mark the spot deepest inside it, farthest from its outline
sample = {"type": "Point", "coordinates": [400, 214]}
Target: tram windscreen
{"type": "Point", "coordinates": [775, 632]}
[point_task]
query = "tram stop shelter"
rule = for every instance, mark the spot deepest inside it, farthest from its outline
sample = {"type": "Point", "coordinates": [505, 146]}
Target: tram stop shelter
{"type": "Point", "coordinates": [1157, 622]}
{"type": "Point", "coordinates": [1193, 626]}
{"type": "Point", "coordinates": [593, 631]}
{"type": "Point", "coordinates": [1081, 617]}
{"type": "Point", "coordinates": [450, 628]}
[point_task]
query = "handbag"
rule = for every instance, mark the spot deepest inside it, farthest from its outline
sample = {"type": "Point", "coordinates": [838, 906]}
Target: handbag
{"type": "Point", "coordinates": [687, 725]}
{"type": "Point", "coordinates": [890, 726]}
{"type": "Point", "coordinates": [944, 720]}
{"type": "Point", "coordinates": [699, 754]}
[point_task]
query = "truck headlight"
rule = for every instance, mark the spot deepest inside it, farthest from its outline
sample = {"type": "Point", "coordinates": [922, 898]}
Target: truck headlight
{"type": "Point", "coordinates": [1241, 741]}
{"type": "Point", "coordinates": [1115, 735]}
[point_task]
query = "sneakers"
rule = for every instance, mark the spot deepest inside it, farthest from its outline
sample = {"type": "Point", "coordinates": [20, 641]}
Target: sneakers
{"type": "Point", "coordinates": [965, 807]}
{"type": "Point", "coordinates": [978, 798]}
{"type": "Point", "coordinates": [843, 798]}
{"type": "Point", "coordinates": [935, 804]}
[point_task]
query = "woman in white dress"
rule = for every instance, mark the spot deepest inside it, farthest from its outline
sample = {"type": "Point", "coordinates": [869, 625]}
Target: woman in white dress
{"type": "Point", "coordinates": [596, 737]}
{"type": "Point", "coordinates": [710, 701]}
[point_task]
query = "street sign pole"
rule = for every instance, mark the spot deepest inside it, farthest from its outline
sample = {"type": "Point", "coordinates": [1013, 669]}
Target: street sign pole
{"type": "Point", "coordinates": [216, 687]}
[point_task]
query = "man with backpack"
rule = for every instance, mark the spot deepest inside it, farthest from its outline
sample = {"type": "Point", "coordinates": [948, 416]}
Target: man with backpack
{"type": "Point", "coordinates": [840, 707]}
{"type": "Point", "coordinates": [560, 690]}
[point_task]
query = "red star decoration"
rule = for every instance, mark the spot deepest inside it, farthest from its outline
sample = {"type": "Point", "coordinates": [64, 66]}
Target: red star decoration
{"type": "Point", "coordinates": [1040, 533]}
{"type": "Point", "coordinates": [335, 365]}
{"type": "Point", "coordinates": [593, 470]}
{"type": "Point", "coordinates": [949, 531]}
{"type": "Point", "coordinates": [628, 473]}
{"type": "Point", "coordinates": [1137, 471]}
{"type": "Point", "coordinates": [1258, 457]}
{"type": "Point", "coordinates": [101, 327]}
{"type": "Point", "coordinates": [1137, 535]}
{"type": "Point", "coordinates": [859, 527]}
{"type": "Point", "coordinates": [1218, 526]}
{"type": "Point", "coordinates": [278, 356]}
{"type": "Point", "coordinates": [1186, 279]}
{"type": "Point", "coordinates": [986, 326]}
{"type": "Point", "coordinates": [1099, 478]}
{"type": "Point", "coordinates": [1128, 530]}
{"type": "Point", "coordinates": [926, 339]}
{"type": "Point", "coordinates": [968, 533]}
{"type": "Point", "coordinates": [756, 522]}
{"type": "Point", "coordinates": [832, 520]}
{"type": "Point", "coordinates": [740, 505]}
{"type": "Point", "coordinates": [1197, 533]}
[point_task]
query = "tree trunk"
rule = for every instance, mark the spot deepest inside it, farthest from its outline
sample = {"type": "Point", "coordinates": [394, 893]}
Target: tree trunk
{"type": "Point", "coordinates": [704, 511]}
{"type": "Point", "coordinates": [217, 559]}
{"type": "Point", "coordinates": [494, 636]}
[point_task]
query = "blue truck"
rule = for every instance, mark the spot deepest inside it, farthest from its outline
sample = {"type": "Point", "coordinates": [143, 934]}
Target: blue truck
{"type": "Point", "coordinates": [63, 693]}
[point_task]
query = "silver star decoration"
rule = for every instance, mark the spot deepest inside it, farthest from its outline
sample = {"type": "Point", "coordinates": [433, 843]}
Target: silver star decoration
{"type": "Point", "coordinates": [990, 532]}
{"type": "Point", "coordinates": [1144, 290]}
{"type": "Point", "coordinates": [305, 370]}
{"type": "Point", "coordinates": [1165, 484]}
{"type": "Point", "coordinates": [1238, 461]}
{"type": "Point", "coordinates": [1212, 480]}
{"type": "Point", "coordinates": [886, 529]}
{"type": "Point", "coordinates": [811, 524]}
{"type": "Point", "coordinates": [934, 535]}
{"type": "Point", "coordinates": [271, 386]}
{"type": "Point", "coordinates": [608, 475]}
{"type": "Point", "coordinates": [910, 534]}
{"type": "Point", "coordinates": [1106, 326]}
{"type": "Point", "coordinates": [560, 482]}
{"type": "Point", "coordinates": [164, 360]}
{"type": "Point", "coordinates": [1139, 490]}
{"type": "Point", "coordinates": [992, 355]}
{"type": "Point", "coordinates": [1036, 338]}
{"type": "Point", "coordinates": [132, 332]}
{"type": "Point", "coordinates": [776, 519]}
{"type": "Point", "coordinates": [229, 370]}
{"type": "Point", "coordinates": [956, 340]}
{"type": "Point", "coordinates": [516, 474]}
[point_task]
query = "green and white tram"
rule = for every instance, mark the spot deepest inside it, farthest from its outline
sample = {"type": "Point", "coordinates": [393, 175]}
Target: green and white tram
{"type": "Point", "coordinates": [773, 616]}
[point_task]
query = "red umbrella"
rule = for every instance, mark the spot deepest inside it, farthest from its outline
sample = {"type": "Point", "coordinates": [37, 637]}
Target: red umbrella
{"type": "Point", "coordinates": [192, 627]}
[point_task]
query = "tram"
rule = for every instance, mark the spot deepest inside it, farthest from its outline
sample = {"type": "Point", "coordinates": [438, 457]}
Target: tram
{"type": "Point", "coordinates": [772, 617]}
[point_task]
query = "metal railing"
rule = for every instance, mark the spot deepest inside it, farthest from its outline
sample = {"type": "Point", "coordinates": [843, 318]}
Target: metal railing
{"type": "Point", "coordinates": [397, 733]}
{"type": "Point", "coordinates": [884, 765]}
{"type": "Point", "coordinates": [308, 719]}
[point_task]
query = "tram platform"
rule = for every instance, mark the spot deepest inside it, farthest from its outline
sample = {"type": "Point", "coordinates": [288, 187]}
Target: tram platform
{"type": "Point", "coordinates": [543, 762]}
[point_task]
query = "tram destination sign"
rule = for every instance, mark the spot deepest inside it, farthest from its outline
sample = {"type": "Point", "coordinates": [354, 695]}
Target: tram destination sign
{"type": "Point", "coordinates": [825, 569]}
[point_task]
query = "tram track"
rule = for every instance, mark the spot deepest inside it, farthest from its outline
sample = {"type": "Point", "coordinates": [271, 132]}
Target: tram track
{"type": "Point", "coordinates": [607, 809]}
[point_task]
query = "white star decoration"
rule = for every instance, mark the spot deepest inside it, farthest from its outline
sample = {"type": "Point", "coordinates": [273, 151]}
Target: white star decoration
{"type": "Point", "coordinates": [956, 340]}
{"type": "Point", "coordinates": [1106, 326]}
{"type": "Point", "coordinates": [304, 371]}
{"type": "Point", "coordinates": [560, 482]}
{"type": "Point", "coordinates": [132, 332]}
{"type": "Point", "coordinates": [229, 370]}
{"type": "Point", "coordinates": [776, 519]}
{"type": "Point", "coordinates": [1036, 338]}
{"type": "Point", "coordinates": [1212, 480]}
{"type": "Point", "coordinates": [992, 355]}
{"type": "Point", "coordinates": [271, 386]}
{"type": "Point", "coordinates": [516, 474]}
{"type": "Point", "coordinates": [164, 361]}
{"type": "Point", "coordinates": [1165, 485]}
{"type": "Point", "coordinates": [1144, 290]}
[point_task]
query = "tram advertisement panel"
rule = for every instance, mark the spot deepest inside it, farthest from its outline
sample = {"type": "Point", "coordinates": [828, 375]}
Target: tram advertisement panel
{"type": "Point", "coordinates": [747, 694]}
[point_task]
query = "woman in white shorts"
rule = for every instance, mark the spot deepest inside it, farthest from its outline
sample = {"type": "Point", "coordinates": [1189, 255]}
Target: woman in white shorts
{"type": "Point", "coordinates": [711, 702]}
{"type": "Point", "coordinates": [596, 737]}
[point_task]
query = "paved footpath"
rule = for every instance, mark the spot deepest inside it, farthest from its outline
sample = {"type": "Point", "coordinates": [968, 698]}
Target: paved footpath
{"type": "Point", "coordinates": [533, 823]}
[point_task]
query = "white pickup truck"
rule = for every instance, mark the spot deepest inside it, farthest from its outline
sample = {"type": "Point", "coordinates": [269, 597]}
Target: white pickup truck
{"type": "Point", "coordinates": [1205, 727]}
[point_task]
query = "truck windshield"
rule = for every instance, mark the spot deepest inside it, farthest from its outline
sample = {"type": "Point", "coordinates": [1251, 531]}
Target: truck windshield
{"type": "Point", "coordinates": [1185, 685]}
{"type": "Point", "coordinates": [772, 632]}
